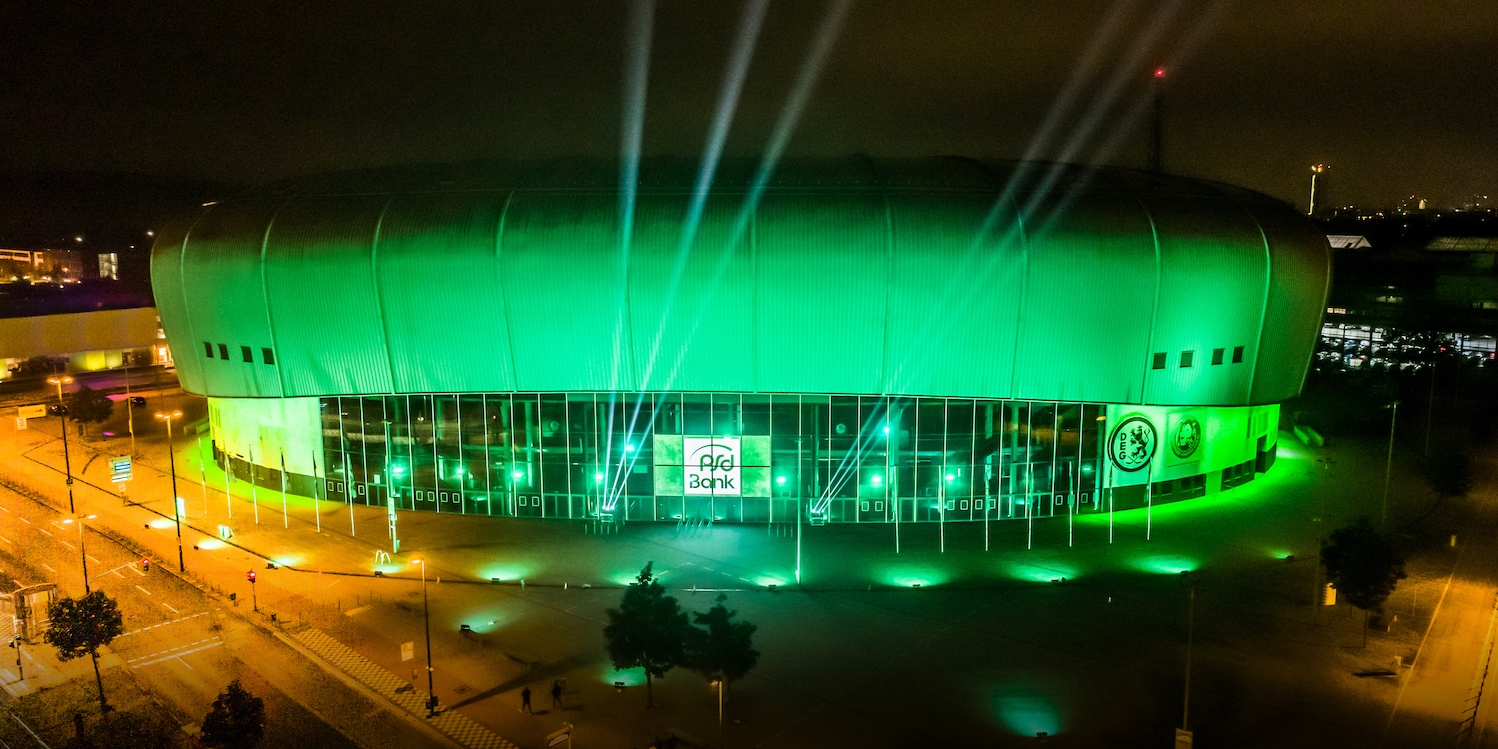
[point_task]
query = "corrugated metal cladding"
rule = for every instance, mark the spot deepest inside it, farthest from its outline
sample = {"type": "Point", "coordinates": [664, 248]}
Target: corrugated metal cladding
{"type": "Point", "coordinates": [944, 277]}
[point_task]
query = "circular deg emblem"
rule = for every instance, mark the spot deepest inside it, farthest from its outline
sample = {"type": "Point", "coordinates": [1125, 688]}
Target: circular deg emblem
{"type": "Point", "coordinates": [1186, 437]}
{"type": "Point", "coordinates": [1132, 444]}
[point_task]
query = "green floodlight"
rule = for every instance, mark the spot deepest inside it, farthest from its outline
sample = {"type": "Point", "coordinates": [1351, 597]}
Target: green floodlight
{"type": "Point", "coordinates": [598, 477]}
{"type": "Point", "coordinates": [629, 447]}
{"type": "Point", "coordinates": [876, 480]}
{"type": "Point", "coordinates": [950, 477]}
{"type": "Point", "coordinates": [780, 480]}
{"type": "Point", "coordinates": [397, 469]}
{"type": "Point", "coordinates": [517, 475]}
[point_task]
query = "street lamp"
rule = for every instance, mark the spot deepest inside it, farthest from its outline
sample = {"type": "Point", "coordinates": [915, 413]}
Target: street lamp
{"type": "Point", "coordinates": [1316, 170]}
{"type": "Point", "coordinates": [62, 413]}
{"type": "Point", "coordinates": [719, 684]}
{"type": "Point", "coordinates": [82, 554]}
{"type": "Point", "coordinates": [171, 455]}
{"type": "Point", "coordinates": [1388, 464]}
{"type": "Point", "coordinates": [426, 616]}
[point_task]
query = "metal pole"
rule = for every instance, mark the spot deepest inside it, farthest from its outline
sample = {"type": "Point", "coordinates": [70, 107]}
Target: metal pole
{"type": "Point", "coordinates": [202, 474]}
{"type": "Point", "coordinates": [720, 712]}
{"type": "Point", "coordinates": [1190, 630]}
{"type": "Point", "coordinates": [67, 464]}
{"type": "Point", "coordinates": [426, 615]}
{"type": "Point", "coordinates": [316, 491]}
{"type": "Point", "coordinates": [130, 409]}
{"type": "Point", "coordinates": [83, 557]}
{"type": "Point", "coordinates": [1430, 407]}
{"type": "Point", "coordinates": [254, 487]}
{"type": "Point", "coordinates": [1388, 465]}
{"type": "Point", "coordinates": [228, 480]}
{"type": "Point", "coordinates": [176, 506]}
{"type": "Point", "coordinates": [285, 523]}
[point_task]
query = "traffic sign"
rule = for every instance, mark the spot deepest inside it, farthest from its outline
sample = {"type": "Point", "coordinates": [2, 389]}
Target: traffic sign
{"type": "Point", "coordinates": [31, 412]}
{"type": "Point", "coordinates": [20, 423]}
{"type": "Point", "coordinates": [561, 734]}
{"type": "Point", "coordinates": [408, 651]}
{"type": "Point", "coordinates": [119, 469]}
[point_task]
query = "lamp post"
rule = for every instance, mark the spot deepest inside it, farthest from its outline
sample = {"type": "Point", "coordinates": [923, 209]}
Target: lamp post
{"type": "Point", "coordinates": [82, 554]}
{"type": "Point", "coordinates": [426, 617]}
{"type": "Point", "coordinates": [719, 684]}
{"type": "Point", "coordinates": [1389, 464]}
{"type": "Point", "coordinates": [171, 455]}
{"type": "Point", "coordinates": [62, 413]}
{"type": "Point", "coordinates": [1326, 467]}
{"type": "Point", "coordinates": [1316, 170]}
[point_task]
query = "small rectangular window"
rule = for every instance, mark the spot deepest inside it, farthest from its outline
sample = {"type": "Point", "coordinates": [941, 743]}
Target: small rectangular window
{"type": "Point", "coordinates": [208, 349]}
{"type": "Point", "coordinates": [223, 352]}
{"type": "Point", "coordinates": [249, 358]}
{"type": "Point", "coordinates": [1186, 358]}
{"type": "Point", "coordinates": [1237, 354]}
{"type": "Point", "coordinates": [268, 356]}
{"type": "Point", "coordinates": [864, 507]}
{"type": "Point", "coordinates": [1160, 360]}
{"type": "Point", "coordinates": [1217, 356]}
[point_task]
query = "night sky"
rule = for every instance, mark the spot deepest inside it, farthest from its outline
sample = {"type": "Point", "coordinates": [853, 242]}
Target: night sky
{"type": "Point", "coordinates": [1398, 97]}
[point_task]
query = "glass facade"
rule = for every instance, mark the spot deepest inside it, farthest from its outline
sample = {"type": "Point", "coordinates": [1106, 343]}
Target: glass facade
{"type": "Point", "coordinates": [715, 457]}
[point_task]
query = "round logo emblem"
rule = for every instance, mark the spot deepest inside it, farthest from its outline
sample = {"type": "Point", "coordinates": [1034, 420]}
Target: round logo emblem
{"type": "Point", "coordinates": [1186, 437]}
{"type": "Point", "coordinates": [1132, 444]}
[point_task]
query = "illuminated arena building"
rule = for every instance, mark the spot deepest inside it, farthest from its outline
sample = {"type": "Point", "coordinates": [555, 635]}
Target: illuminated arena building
{"type": "Point", "coordinates": [850, 341]}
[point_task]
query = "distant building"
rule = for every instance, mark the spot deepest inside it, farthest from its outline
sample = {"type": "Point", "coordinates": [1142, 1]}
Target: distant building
{"type": "Point", "coordinates": [56, 266]}
{"type": "Point", "coordinates": [82, 342]}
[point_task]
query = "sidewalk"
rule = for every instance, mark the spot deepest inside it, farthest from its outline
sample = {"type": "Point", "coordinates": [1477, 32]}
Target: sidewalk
{"type": "Point", "coordinates": [215, 566]}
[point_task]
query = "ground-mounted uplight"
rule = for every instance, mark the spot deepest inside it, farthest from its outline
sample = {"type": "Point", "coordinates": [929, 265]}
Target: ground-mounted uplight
{"type": "Point", "coordinates": [629, 677]}
{"type": "Point", "coordinates": [1165, 564]}
{"type": "Point", "coordinates": [1026, 714]}
{"type": "Point", "coordinates": [210, 544]}
{"type": "Point", "coordinates": [160, 523]}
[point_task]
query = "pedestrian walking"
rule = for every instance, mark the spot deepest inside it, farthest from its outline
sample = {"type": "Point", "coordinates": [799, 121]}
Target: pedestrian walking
{"type": "Point", "coordinates": [525, 700]}
{"type": "Point", "coordinates": [556, 694]}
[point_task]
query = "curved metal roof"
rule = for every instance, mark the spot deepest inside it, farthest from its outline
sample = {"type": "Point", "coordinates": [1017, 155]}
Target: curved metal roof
{"type": "Point", "coordinates": [935, 277]}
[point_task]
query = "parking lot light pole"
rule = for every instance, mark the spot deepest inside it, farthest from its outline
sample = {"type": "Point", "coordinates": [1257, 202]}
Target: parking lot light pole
{"type": "Point", "coordinates": [427, 618]}
{"type": "Point", "coordinates": [82, 553]}
{"type": "Point", "coordinates": [62, 413]}
{"type": "Point", "coordinates": [171, 454]}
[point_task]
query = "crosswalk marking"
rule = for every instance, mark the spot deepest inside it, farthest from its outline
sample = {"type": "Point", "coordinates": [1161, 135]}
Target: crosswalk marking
{"type": "Point", "coordinates": [165, 623]}
{"type": "Point", "coordinates": [143, 590]}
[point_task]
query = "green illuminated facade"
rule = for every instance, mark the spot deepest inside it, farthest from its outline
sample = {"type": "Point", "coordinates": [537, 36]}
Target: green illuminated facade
{"type": "Point", "coordinates": [860, 341]}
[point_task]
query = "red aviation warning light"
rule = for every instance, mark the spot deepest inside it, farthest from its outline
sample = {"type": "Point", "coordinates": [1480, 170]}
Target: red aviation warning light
{"type": "Point", "coordinates": [1159, 72]}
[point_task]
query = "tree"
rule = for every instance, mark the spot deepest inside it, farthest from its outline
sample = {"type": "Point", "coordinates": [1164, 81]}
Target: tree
{"type": "Point", "coordinates": [89, 406]}
{"type": "Point", "coordinates": [648, 630]}
{"type": "Point", "coordinates": [720, 648]}
{"type": "Point", "coordinates": [80, 626]}
{"type": "Point", "coordinates": [1363, 566]}
{"type": "Point", "coordinates": [237, 720]}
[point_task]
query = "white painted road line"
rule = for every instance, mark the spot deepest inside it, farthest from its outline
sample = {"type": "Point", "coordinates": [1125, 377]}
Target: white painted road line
{"type": "Point", "coordinates": [189, 668]}
{"type": "Point", "coordinates": [24, 520]}
{"type": "Point", "coordinates": [70, 546]}
{"type": "Point", "coordinates": [116, 573]}
{"type": "Point", "coordinates": [6, 540]}
{"type": "Point", "coordinates": [2, 507]}
{"type": "Point", "coordinates": [44, 530]}
{"type": "Point", "coordinates": [143, 590]}
{"type": "Point", "coordinates": [92, 559]}
{"type": "Point", "coordinates": [48, 566]}
{"type": "Point", "coordinates": [137, 571]}
{"type": "Point", "coordinates": [169, 608]}
{"type": "Point", "coordinates": [163, 624]}
{"type": "Point", "coordinates": [177, 655]}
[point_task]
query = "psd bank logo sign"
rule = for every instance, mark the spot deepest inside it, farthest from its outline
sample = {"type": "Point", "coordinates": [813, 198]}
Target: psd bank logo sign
{"type": "Point", "coordinates": [711, 465]}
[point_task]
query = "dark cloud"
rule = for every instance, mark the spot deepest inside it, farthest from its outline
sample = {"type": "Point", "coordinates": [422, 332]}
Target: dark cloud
{"type": "Point", "coordinates": [1396, 96]}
